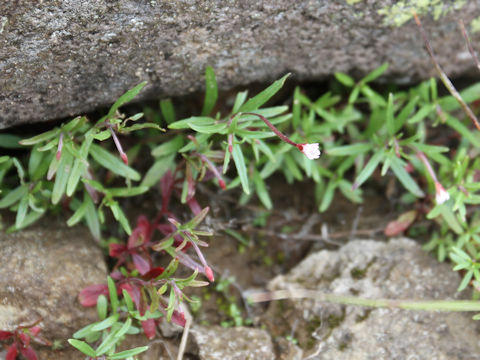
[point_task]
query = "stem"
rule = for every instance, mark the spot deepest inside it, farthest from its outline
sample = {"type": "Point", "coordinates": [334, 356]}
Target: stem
{"type": "Point", "coordinates": [446, 81]}
{"type": "Point", "coordinates": [424, 159]}
{"type": "Point", "coordinates": [274, 129]}
{"type": "Point", "coordinates": [426, 305]}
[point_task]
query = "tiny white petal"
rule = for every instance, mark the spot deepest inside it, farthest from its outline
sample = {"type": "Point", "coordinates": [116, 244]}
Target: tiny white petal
{"type": "Point", "coordinates": [441, 194]}
{"type": "Point", "coordinates": [311, 151]}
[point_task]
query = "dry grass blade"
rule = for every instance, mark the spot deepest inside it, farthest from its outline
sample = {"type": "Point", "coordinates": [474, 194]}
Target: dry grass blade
{"type": "Point", "coordinates": [469, 43]}
{"type": "Point", "coordinates": [446, 81]}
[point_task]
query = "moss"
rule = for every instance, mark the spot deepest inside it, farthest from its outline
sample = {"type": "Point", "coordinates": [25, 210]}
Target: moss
{"type": "Point", "coordinates": [401, 12]}
{"type": "Point", "coordinates": [358, 274]}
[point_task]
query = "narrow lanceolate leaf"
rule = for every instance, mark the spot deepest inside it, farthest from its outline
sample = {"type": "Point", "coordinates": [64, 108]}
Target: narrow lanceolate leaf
{"type": "Point", "coordinates": [112, 291]}
{"type": "Point", "coordinates": [40, 138]}
{"type": "Point", "coordinates": [241, 168]}
{"type": "Point", "coordinates": [113, 163]}
{"type": "Point", "coordinates": [63, 173]}
{"type": "Point", "coordinates": [22, 211]}
{"type": "Point", "coordinates": [79, 166]}
{"type": "Point", "coordinates": [390, 119]}
{"type": "Point", "coordinates": [105, 324]}
{"type": "Point", "coordinates": [91, 216]}
{"type": "Point", "coordinates": [193, 120]}
{"type": "Point", "coordinates": [83, 347]}
{"type": "Point", "coordinates": [128, 96]}
{"type": "Point", "coordinates": [128, 353]}
{"type": "Point", "coordinates": [211, 91]}
{"type": "Point", "coordinates": [13, 196]}
{"type": "Point", "coordinates": [119, 215]}
{"type": "Point", "coordinates": [344, 79]}
{"type": "Point", "coordinates": [262, 191]}
{"type": "Point", "coordinates": [368, 169]}
{"type": "Point", "coordinates": [168, 111]}
{"type": "Point", "coordinates": [158, 169]}
{"type": "Point", "coordinates": [404, 177]}
{"type": "Point", "coordinates": [10, 141]}
{"type": "Point", "coordinates": [260, 99]}
{"type": "Point", "coordinates": [345, 150]}
{"type": "Point", "coordinates": [375, 73]}
{"type": "Point", "coordinates": [78, 214]}
{"type": "Point", "coordinates": [168, 147]}
{"type": "Point", "coordinates": [126, 192]}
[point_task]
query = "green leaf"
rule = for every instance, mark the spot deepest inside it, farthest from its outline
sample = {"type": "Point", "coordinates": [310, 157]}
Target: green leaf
{"type": "Point", "coordinates": [128, 300]}
{"type": "Point", "coordinates": [40, 138]}
{"type": "Point", "coordinates": [328, 196]}
{"type": "Point", "coordinates": [22, 211]}
{"type": "Point", "coordinates": [168, 111]}
{"type": "Point", "coordinates": [102, 307]}
{"type": "Point", "coordinates": [465, 281]}
{"type": "Point", "coordinates": [137, 127]}
{"type": "Point", "coordinates": [424, 111]}
{"type": "Point", "coordinates": [260, 99]}
{"type": "Point", "coordinates": [344, 79]}
{"type": "Point", "coordinates": [79, 166]}
{"type": "Point", "coordinates": [113, 163]}
{"type": "Point", "coordinates": [63, 173]}
{"type": "Point", "coordinates": [352, 149]}
{"type": "Point", "coordinates": [105, 324]}
{"type": "Point", "coordinates": [390, 119]}
{"type": "Point", "coordinates": [128, 96]}
{"type": "Point", "coordinates": [84, 332]}
{"type": "Point", "coordinates": [83, 347]}
{"type": "Point", "coordinates": [211, 91]}
{"type": "Point", "coordinates": [78, 214]}
{"type": "Point", "coordinates": [128, 191]}
{"type": "Point", "coordinates": [119, 215]}
{"type": "Point", "coordinates": [158, 169]}
{"type": "Point", "coordinates": [128, 353]}
{"type": "Point", "coordinates": [241, 168]}
{"type": "Point", "coordinates": [472, 136]}
{"type": "Point", "coordinates": [37, 164]}
{"type": "Point", "coordinates": [209, 129]}
{"type": "Point", "coordinates": [450, 219]}
{"type": "Point", "coordinates": [91, 216]}
{"type": "Point", "coordinates": [112, 291]}
{"type": "Point", "coordinates": [261, 190]}
{"type": "Point", "coordinates": [368, 169]}
{"type": "Point", "coordinates": [8, 141]}
{"type": "Point", "coordinates": [125, 327]}
{"type": "Point", "coordinates": [13, 196]}
{"type": "Point", "coordinates": [404, 177]}
{"type": "Point", "coordinates": [169, 147]}
{"type": "Point", "coordinates": [193, 120]}
{"type": "Point", "coordinates": [239, 100]}
{"type": "Point", "coordinates": [107, 344]}
{"type": "Point", "coordinates": [31, 217]}
{"type": "Point", "coordinates": [375, 73]}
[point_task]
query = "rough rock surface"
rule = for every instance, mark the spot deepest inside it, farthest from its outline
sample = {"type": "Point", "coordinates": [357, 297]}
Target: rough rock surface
{"type": "Point", "coordinates": [63, 58]}
{"type": "Point", "coordinates": [42, 271]}
{"type": "Point", "coordinates": [239, 343]}
{"type": "Point", "coordinates": [399, 269]}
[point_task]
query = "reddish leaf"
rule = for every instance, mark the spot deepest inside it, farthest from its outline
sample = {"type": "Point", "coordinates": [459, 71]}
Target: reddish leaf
{"type": "Point", "coordinates": [116, 250]}
{"type": "Point", "coordinates": [5, 334]}
{"type": "Point", "coordinates": [153, 273]}
{"type": "Point", "coordinates": [34, 330]}
{"type": "Point", "coordinates": [89, 295]}
{"type": "Point", "coordinates": [149, 328]}
{"type": "Point", "coordinates": [179, 318]}
{"type": "Point", "coordinates": [116, 275]}
{"type": "Point", "coordinates": [401, 224]}
{"type": "Point", "coordinates": [133, 291]}
{"type": "Point", "coordinates": [29, 353]}
{"type": "Point", "coordinates": [25, 339]}
{"type": "Point", "coordinates": [12, 352]}
{"type": "Point", "coordinates": [194, 206]}
{"type": "Point", "coordinates": [143, 265]}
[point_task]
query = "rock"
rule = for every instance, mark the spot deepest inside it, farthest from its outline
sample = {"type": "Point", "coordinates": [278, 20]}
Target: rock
{"type": "Point", "coordinates": [399, 269]}
{"type": "Point", "coordinates": [239, 343]}
{"type": "Point", "coordinates": [43, 269]}
{"type": "Point", "coordinates": [59, 59]}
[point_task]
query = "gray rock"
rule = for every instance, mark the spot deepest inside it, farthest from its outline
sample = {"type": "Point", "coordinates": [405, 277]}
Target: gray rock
{"type": "Point", "coordinates": [42, 271]}
{"type": "Point", "coordinates": [239, 343]}
{"type": "Point", "coordinates": [399, 269]}
{"type": "Point", "coordinates": [63, 58]}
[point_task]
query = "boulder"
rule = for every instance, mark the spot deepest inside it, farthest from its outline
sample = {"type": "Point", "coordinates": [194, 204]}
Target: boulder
{"type": "Point", "coordinates": [42, 271]}
{"type": "Point", "coordinates": [63, 58]}
{"type": "Point", "coordinates": [399, 269]}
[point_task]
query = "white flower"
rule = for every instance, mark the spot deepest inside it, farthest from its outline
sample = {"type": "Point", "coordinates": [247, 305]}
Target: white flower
{"type": "Point", "coordinates": [441, 194]}
{"type": "Point", "coordinates": [311, 151]}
